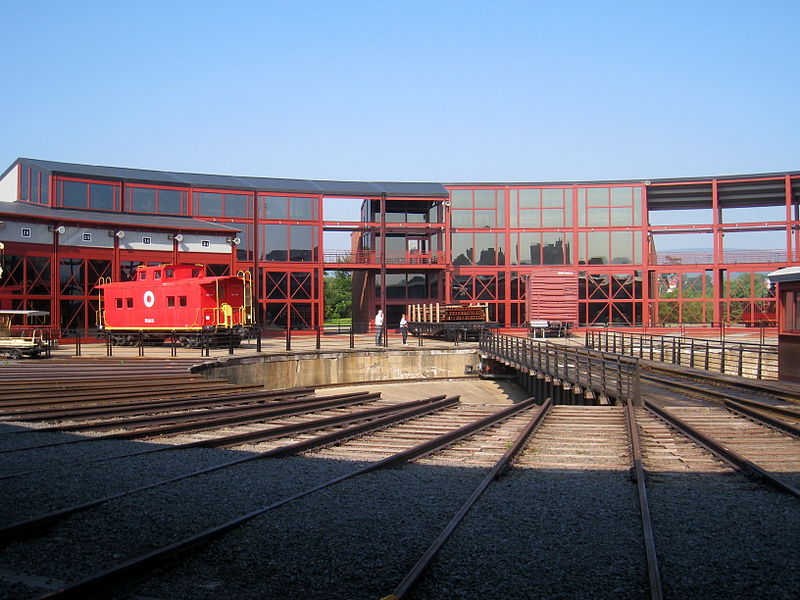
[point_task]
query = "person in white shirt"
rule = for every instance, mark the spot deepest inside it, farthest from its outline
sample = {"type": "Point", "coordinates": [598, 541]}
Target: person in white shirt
{"type": "Point", "coordinates": [404, 328]}
{"type": "Point", "coordinates": [379, 328]}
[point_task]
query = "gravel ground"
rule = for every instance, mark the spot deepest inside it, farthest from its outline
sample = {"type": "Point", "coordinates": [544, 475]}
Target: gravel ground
{"type": "Point", "coordinates": [545, 534]}
{"type": "Point", "coordinates": [721, 536]}
{"type": "Point", "coordinates": [127, 527]}
{"type": "Point", "coordinates": [65, 456]}
{"type": "Point", "coordinates": [353, 540]}
{"type": "Point", "coordinates": [32, 495]}
{"type": "Point", "coordinates": [549, 534]}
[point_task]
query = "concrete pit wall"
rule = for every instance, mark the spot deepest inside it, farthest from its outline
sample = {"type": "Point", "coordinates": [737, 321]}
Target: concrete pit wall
{"type": "Point", "coordinates": [313, 369]}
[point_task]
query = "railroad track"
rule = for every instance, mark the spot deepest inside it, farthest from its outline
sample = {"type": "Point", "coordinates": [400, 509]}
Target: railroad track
{"type": "Point", "coordinates": [387, 498]}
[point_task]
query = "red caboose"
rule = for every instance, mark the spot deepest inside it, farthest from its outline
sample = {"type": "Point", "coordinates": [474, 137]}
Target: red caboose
{"type": "Point", "coordinates": [179, 300]}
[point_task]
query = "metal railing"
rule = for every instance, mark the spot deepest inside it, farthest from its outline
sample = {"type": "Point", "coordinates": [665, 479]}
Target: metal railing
{"type": "Point", "coordinates": [372, 257]}
{"type": "Point", "coordinates": [611, 375]}
{"type": "Point", "coordinates": [759, 361]}
{"type": "Point", "coordinates": [706, 257]}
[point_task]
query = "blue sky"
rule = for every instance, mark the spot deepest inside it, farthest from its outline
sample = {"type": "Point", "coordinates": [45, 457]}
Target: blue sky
{"type": "Point", "coordinates": [410, 91]}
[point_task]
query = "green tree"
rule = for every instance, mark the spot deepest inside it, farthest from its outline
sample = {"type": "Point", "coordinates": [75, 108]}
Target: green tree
{"type": "Point", "coordinates": [338, 294]}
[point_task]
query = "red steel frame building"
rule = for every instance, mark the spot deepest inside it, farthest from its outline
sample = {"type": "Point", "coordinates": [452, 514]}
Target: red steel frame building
{"type": "Point", "coordinates": [413, 243]}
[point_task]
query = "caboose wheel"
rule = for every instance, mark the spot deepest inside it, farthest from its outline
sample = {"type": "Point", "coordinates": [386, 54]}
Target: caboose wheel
{"type": "Point", "coordinates": [14, 354]}
{"type": "Point", "coordinates": [185, 342]}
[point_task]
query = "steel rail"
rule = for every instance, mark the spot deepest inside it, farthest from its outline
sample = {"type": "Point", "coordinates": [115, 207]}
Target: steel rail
{"type": "Point", "coordinates": [653, 572]}
{"type": "Point", "coordinates": [500, 467]}
{"type": "Point", "coordinates": [778, 389]}
{"type": "Point", "coordinates": [129, 408]}
{"type": "Point", "coordinates": [731, 457]}
{"type": "Point", "coordinates": [214, 410]}
{"type": "Point", "coordinates": [368, 421]}
{"type": "Point", "coordinates": [255, 436]}
{"type": "Point", "coordinates": [106, 582]}
{"type": "Point", "coordinates": [741, 408]}
{"type": "Point", "coordinates": [40, 385]}
{"type": "Point", "coordinates": [166, 392]}
{"type": "Point", "coordinates": [191, 425]}
{"type": "Point", "coordinates": [740, 405]}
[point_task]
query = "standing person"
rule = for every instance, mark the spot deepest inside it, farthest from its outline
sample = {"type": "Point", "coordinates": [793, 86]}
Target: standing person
{"type": "Point", "coordinates": [379, 328]}
{"type": "Point", "coordinates": [404, 328]}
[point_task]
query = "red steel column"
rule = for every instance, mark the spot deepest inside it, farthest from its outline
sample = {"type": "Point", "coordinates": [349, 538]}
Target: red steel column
{"type": "Point", "coordinates": [718, 253]}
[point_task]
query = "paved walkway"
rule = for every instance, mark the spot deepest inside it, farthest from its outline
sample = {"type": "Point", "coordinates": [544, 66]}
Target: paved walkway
{"type": "Point", "coordinates": [330, 342]}
{"type": "Point", "coordinates": [299, 343]}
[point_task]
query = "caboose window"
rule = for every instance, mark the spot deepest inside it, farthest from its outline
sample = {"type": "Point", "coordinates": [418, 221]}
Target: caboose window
{"type": "Point", "coordinates": [169, 273]}
{"type": "Point", "coordinates": [129, 302]}
{"type": "Point", "coordinates": [182, 300]}
{"type": "Point", "coordinates": [170, 301]}
{"type": "Point", "coordinates": [142, 275]}
{"type": "Point", "coordinates": [119, 302]}
{"type": "Point", "coordinates": [157, 274]}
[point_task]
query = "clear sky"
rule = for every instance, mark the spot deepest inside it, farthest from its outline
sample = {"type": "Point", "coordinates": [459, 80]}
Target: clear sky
{"type": "Point", "coordinates": [410, 91]}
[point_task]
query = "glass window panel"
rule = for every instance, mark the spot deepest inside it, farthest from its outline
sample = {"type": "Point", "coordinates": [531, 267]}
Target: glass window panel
{"type": "Point", "coordinates": [395, 286]}
{"type": "Point", "coordinates": [395, 244]}
{"type": "Point", "coordinates": [553, 198]}
{"type": "Point", "coordinates": [461, 218]}
{"type": "Point", "coordinates": [529, 198]}
{"type": "Point", "coordinates": [275, 242]}
{"type": "Point", "coordinates": [486, 248]}
{"type": "Point", "coordinates": [530, 218]}
{"type": "Point", "coordinates": [621, 217]}
{"type": "Point", "coordinates": [501, 210]}
{"type": "Point", "coordinates": [485, 199]}
{"type": "Point", "coordinates": [462, 248]}
{"type": "Point", "coordinates": [597, 251]}
{"type": "Point", "coordinates": [621, 196]}
{"type": "Point", "coordinates": [461, 198]}
{"type": "Point", "coordinates": [236, 205]}
{"type": "Point", "coordinates": [34, 186]}
{"type": "Point", "coordinates": [597, 217]}
{"type": "Point", "coordinates": [302, 238]}
{"type": "Point", "coordinates": [209, 204]}
{"type": "Point", "coordinates": [275, 207]}
{"type": "Point", "coordinates": [597, 196]}
{"type": "Point", "coordinates": [621, 247]}
{"type": "Point", "coordinates": [637, 206]}
{"type": "Point", "coordinates": [101, 197]}
{"type": "Point", "coordinates": [582, 208]}
{"type": "Point", "coordinates": [484, 218]}
{"type": "Point", "coordinates": [23, 183]}
{"type": "Point", "coordinates": [529, 248]}
{"type": "Point", "coordinates": [170, 202]}
{"type": "Point", "coordinates": [74, 194]}
{"type": "Point", "coordinates": [416, 286]}
{"type": "Point", "coordinates": [45, 189]}
{"type": "Point", "coordinates": [553, 249]}
{"type": "Point", "coordinates": [416, 217]}
{"type": "Point", "coordinates": [143, 200]}
{"type": "Point", "coordinates": [302, 208]}
{"type": "Point", "coordinates": [552, 218]}
{"type": "Point", "coordinates": [637, 247]}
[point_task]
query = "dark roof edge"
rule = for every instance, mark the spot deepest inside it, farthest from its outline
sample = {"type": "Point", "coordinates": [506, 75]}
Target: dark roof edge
{"type": "Point", "coordinates": [320, 184]}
